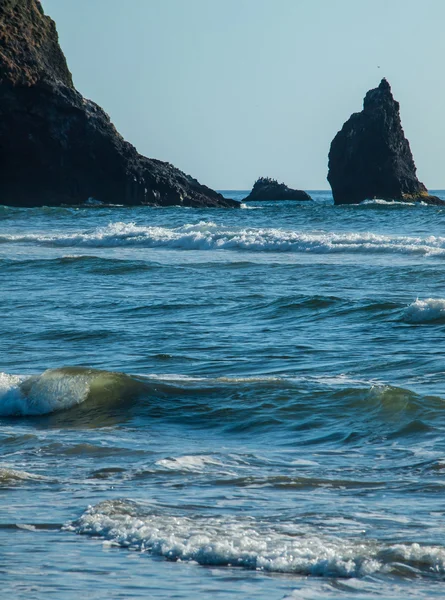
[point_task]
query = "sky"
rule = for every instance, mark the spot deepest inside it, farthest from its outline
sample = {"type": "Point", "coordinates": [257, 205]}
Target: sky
{"type": "Point", "coordinates": [231, 90]}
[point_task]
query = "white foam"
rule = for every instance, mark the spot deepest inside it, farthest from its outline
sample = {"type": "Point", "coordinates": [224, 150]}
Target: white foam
{"type": "Point", "coordinates": [210, 236]}
{"type": "Point", "coordinates": [184, 379]}
{"type": "Point", "coordinates": [332, 380]}
{"type": "Point", "coordinates": [223, 541]}
{"type": "Point", "coordinates": [381, 202]}
{"type": "Point", "coordinates": [197, 462]}
{"type": "Point", "coordinates": [302, 462]}
{"type": "Point", "coordinates": [173, 377]}
{"type": "Point", "coordinates": [249, 543]}
{"type": "Point", "coordinates": [11, 397]}
{"type": "Point", "coordinates": [52, 391]}
{"type": "Point", "coordinates": [246, 207]}
{"type": "Point", "coordinates": [425, 311]}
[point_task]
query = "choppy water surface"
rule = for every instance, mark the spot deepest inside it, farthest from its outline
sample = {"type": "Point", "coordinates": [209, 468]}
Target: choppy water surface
{"type": "Point", "coordinates": [222, 403]}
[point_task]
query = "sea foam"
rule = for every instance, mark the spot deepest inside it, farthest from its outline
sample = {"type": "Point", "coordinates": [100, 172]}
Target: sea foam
{"type": "Point", "coordinates": [188, 463]}
{"type": "Point", "coordinates": [251, 544]}
{"type": "Point", "coordinates": [207, 235]}
{"type": "Point", "coordinates": [381, 202]}
{"type": "Point", "coordinates": [425, 311]}
{"type": "Point", "coordinates": [62, 389]}
{"type": "Point", "coordinates": [55, 389]}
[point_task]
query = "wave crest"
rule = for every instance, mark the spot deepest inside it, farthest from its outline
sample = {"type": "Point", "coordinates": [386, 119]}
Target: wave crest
{"type": "Point", "coordinates": [60, 389]}
{"type": "Point", "coordinates": [425, 311]}
{"type": "Point", "coordinates": [207, 235]}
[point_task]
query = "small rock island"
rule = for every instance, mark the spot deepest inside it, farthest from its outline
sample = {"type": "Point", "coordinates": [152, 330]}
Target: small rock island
{"type": "Point", "coordinates": [266, 188]}
{"type": "Point", "coordinates": [371, 158]}
{"type": "Point", "coordinates": [56, 147]}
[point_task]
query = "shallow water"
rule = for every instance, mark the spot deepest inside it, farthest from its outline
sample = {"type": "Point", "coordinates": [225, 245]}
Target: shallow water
{"type": "Point", "coordinates": [243, 404]}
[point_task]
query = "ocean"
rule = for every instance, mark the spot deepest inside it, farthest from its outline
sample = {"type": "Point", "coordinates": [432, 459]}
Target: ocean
{"type": "Point", "coordinates": [243, 404]}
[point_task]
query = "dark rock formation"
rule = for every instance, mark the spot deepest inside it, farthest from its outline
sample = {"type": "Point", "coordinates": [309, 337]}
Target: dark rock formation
{"type": "Point", "coordinates": [371, 158]}
{"type": "Point", "coordinates": [269, 189]}
{"type": "Point", "coordinates": [58, 148]}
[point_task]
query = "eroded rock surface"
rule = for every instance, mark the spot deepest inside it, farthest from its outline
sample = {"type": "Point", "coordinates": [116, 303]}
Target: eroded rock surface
{"type": "Point", "coordinates": [269, 189]}
{"type": "Point", "coordinates": [56, 147]}
{"type": "Point", "coordinates": [371, 158]}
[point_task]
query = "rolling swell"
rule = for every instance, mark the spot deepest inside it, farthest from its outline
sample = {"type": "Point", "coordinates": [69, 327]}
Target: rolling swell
{"type": "Point", "coordinates": [62, 389]}
{"type": "Point", "coordinates": [344, 409]}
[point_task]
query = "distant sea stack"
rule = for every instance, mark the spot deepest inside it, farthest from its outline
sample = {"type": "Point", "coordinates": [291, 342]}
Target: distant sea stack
{"type": "Point", "coordinates": [269, 189]}
{"type": "Point", "coordinates": [56, 147]}
{"type": "Point", "coordinates": [371, 158]}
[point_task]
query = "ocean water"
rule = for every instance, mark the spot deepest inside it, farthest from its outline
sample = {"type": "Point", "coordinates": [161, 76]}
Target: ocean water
{"type": "Point", "coordinates": [222, 403]}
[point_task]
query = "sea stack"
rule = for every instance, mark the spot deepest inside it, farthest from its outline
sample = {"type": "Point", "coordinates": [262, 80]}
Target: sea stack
{"type": "Point", "coordinates": [371, 158]}
{"type": "Point", "coordinates": [56, 147]}
{"type": "Point", "coordinates": [269, 189]}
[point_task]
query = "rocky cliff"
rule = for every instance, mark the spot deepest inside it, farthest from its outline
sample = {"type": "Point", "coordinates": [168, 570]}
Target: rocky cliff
{"type": "Point", "coordinates": [371, 158]}
{"type": "Point", "coordinates": [56, 147]}
{"type": "Point", "coordinates": [269, 189]}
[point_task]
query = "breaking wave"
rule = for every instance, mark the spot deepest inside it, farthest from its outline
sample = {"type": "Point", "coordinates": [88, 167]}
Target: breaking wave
{"type": "Point", "coordinates": [252, 544]}
{"type": "Point", "coordinates": [207, 401]}
{"type": "Point", "coordinates": [425, 311]}
{"type": "Point", "coordinates": [210, 236]}
{"type": "Point", "coordinates": [60, 389]}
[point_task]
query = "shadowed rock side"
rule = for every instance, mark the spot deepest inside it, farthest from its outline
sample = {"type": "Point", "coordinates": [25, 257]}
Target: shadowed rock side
{"type": "Point", "coordinates": [58, 148]}
{"type": "Point", "coordinates": [269, 189]}
{"type": "Point", "coordinates": [371, 158]}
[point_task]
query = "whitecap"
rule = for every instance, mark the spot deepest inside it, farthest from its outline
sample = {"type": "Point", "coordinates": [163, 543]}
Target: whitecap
{"type": "Point", "coordinates": [207, 235]}
{"type": "Point", "coordinates": [247, 207]}
{"type": "Point", "coordinates": [57, 389]}
{"type": "Point", "coordinates": [425, 311]}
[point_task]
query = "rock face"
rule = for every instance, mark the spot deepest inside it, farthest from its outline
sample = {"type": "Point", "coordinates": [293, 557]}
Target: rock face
{"type": "Point", "coordinates": [371, 158]}
{"type": "Point", "coordinates": [56, 147]}
{"type": "Point", "coordinates": [269, 189]}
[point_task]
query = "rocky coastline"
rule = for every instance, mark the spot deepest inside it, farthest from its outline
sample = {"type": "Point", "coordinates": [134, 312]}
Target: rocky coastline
{"type": "Point", "coordinates": [56, 147]}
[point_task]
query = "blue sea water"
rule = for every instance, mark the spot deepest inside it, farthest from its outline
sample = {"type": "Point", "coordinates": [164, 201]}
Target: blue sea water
{"type": "Point", "coordinates": [223, 403]}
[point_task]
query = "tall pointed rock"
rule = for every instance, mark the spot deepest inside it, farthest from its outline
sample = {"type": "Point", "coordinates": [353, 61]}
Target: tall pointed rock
{"type": "Point", "coordinates": [56, 147]}
{"type": "Point", "coordinates": [371, 158]}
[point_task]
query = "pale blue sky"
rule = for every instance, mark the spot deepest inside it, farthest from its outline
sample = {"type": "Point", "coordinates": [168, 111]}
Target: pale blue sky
{"type": "Point", "coordinates": [229, 90]}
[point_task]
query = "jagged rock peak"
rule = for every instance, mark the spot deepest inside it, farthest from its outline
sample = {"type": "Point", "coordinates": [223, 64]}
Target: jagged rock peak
{"type": "Point", "coordinates": [380, 98]}
{"type": "Point", "coordinates": [29, 45]}
{"type": "Point", "coordinates": [266, 188]}
{"type": "Point", "coordinates": [371, 158]}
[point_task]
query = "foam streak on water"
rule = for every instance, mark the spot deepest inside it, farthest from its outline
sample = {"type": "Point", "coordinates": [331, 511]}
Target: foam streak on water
{"type": "Point", "coordinates": [251, 544]}
{"type": "Point", "coordinates": [207, 235]}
